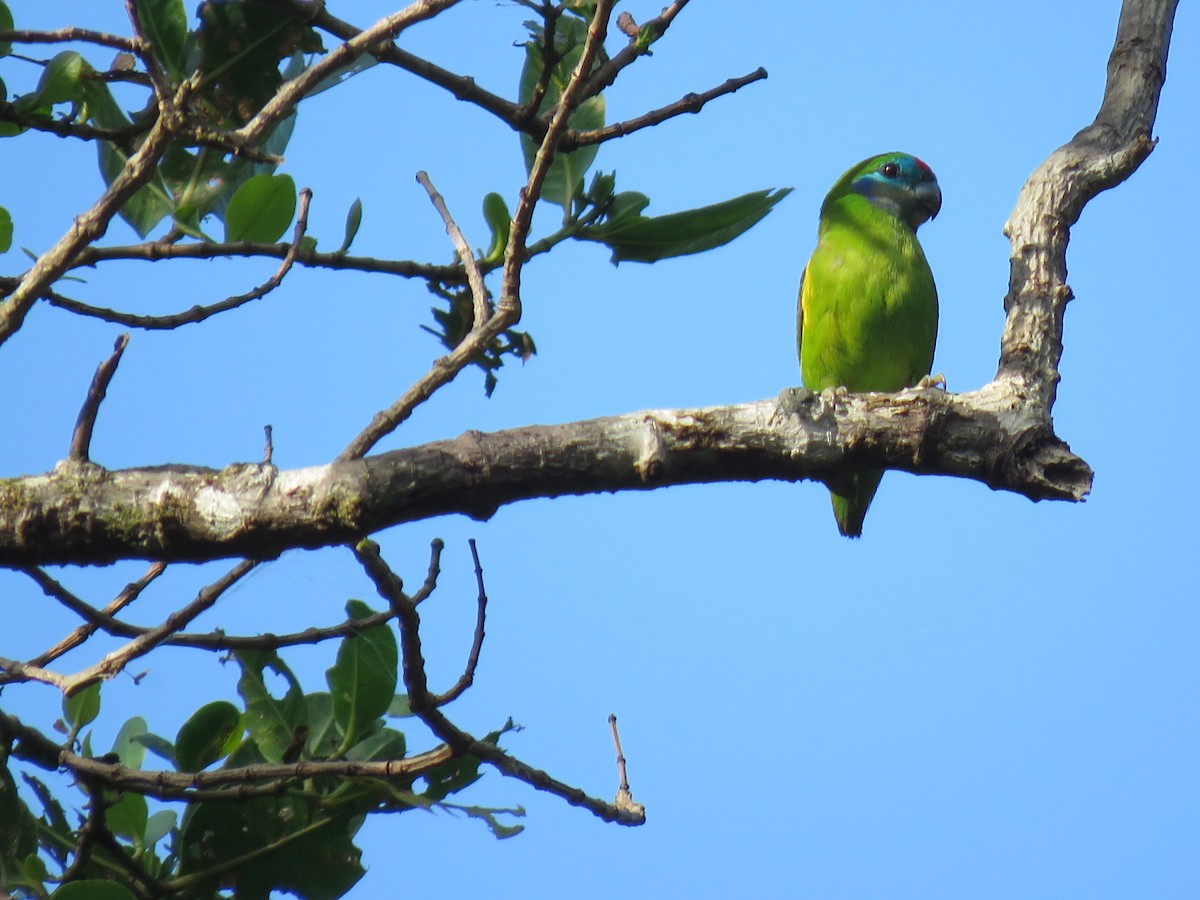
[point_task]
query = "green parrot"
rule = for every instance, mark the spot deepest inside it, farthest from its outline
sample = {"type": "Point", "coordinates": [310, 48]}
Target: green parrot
{"type": "Point", "coordinates": [868, 311]}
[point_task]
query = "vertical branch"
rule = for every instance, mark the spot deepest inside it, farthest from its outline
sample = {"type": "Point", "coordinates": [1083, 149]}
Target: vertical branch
{"type": "Point", "coordinates": [81, 438]}
{"type": "Point", "coordinates": [1099, 157]}
{"type": "Point", "coordinates": [514, 254]}
{"type": "Point", "coordinates": [479, 297]}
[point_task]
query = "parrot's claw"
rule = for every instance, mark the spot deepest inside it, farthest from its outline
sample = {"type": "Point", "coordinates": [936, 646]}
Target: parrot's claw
{"type": "Point", "coordinates": [931, 381]}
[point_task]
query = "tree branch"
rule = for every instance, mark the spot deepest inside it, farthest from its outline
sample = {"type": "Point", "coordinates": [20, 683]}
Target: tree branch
{"type": "Point", "coordinates": [200, 313]}
{"type": "Point", "coordinates": [88, 227]}
{"type": "Point", "coordinates": [1100, 156]}
{"type": "Point", "coordinates": [993, 435]}
{"type": "Point", "coordinates": [424, 703]}
{"type": "Point", "coordinates": [81, 439]}
{"type": "Point", "coordinates": [689, 103]}
{"type": "Point", "coordinates": [507, 312]}
{"type": "Point", "coordinates": [339, 57]}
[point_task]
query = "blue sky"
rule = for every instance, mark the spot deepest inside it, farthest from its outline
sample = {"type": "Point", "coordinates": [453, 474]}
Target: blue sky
{"type": "Point", "coordinates": [984, 697]}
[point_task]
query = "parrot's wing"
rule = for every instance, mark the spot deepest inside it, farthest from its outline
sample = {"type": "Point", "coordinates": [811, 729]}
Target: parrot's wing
{"type": "Point", "coordinates": [800, 309]}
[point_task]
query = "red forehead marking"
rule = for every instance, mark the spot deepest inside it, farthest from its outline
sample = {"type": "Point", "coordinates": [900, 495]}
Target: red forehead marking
{"type": "Point", "coordinates": [924, 167]}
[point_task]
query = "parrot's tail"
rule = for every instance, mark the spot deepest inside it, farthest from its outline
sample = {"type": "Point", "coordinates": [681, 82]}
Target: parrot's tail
{"type": "Point", "coordinates": [850, 509]}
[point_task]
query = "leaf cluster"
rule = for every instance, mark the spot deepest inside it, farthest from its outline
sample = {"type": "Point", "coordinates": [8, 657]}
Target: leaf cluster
{"type": "Point", "coordinates": [296, 836]}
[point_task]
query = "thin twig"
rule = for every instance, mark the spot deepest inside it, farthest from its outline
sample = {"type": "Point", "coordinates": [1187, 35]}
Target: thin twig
{"type": "Point", "coordinates": [691, 103]}
{"type": "Point", "coordinates": [122, 138]}
{"type": "Point", "coordinates": [624, 798]}
{"type": "Point", "coordinates": [214, 640]}
{"type": "Point", "coordinates": [144, 51]}
{"type": "Point", "coordinates": [68, 35]}
{"type": "Point", "coordinates": [338, 58]}
{"type": "Point", "coordinates": [423, 703]}
{"type": "Point", "coordinates": [461, 87]}
{"type": "Point", "coordinates": [482, 306]}
{"type": "Point", "coordinates": [81, 438]}
{"type": "Point", "coordinates": [606, 74]}
{"type": "Point", "coordinates": [152, 251]}
{"type": "Point", "coordinates": [468, 676]}
{"type": "Point", "coordinates": [117, 660]}
{"type": "Point", "coordinates": [510, 300]}
{"type": "Point", "coordinates": [130, 593]}
{"type": "Point", "coordinates": [239, 782]}
{"type": "Point", "coordinates": [436, 546]}
{"type": "Point", "coordinates": [269, 449]}
{"type": "Point", "coordinates": [200, 313]}
{"type": "Point", "coordinates": [138, 170]}
{"type": "Point", "coordinates": [92, 826]}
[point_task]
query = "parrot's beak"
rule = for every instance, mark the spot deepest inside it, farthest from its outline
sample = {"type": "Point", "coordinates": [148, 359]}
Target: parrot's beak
{"type": "Point", "coordinates": [929, 199]}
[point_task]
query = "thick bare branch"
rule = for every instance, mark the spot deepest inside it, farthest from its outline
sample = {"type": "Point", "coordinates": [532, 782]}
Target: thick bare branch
{"type": "Point", "coordinates": [250, 509]}
{"type": "Point", "coordinates": [1100, 156]}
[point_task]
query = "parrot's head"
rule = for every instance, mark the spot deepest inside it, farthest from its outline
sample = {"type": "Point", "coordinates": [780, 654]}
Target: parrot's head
{"type": "Point", "coordinates": [897, 183]}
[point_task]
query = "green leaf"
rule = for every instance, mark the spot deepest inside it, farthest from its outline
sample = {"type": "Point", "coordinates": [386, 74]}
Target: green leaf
{"type": "Point", "coordinates": [451, 777]}
{"type": "Point", "coordinates": [127, 817]}
{"type": "Point", "coordinates": [564, 180]}
{"type": "Point", "coordinates": [35, 871]}
{"type": "Point", "coordinates": [159, 746]}
{"type": "Point", "coordinates": [83, 706]}
{"type": "Point", "coordinates": [210, 733]}
{"type": "Point", "coordinates": [323, 738]}
{"type": "Point", "coordinates": [353, 221]}
{"type": "Point", "coordinates": [60, 81]}
{"type": "Point", "coordinates": [18, 827]}
{"type": "Point", "coordinates": [496, 214]}
{"type": "Point", "coordinates": [626, 207]}
{"type": "Point", "coordinates": [54, 820]}
{"type": "Point", "coordinates": [241, 46]}
{"type": "Point", "coordinates": [273, 722]}
{"type": "Point", "coordinates": [92, 889]}
{"type": "Point", "coordinates": [158, 826]}
{"type": "Point", "coordinates": [6, 23]}
{"type": "Point", "coordinates": [387, 743]}
{"type": "Point", "coordinates": [6, 228]}
{"type": "Point", "coordinates": [399, 708]}
{"type": "Point", "coordinates": [150, 205]}
{"type": "Point", "coordinates": [101, 106]}
{"type": "Point", "coordinates": [363, 679]}
{"type": "Point", "coordinates": [284, 844]}
{"type": "Point", "coordinates": [128, 745]}
{"type": "Point", "coordinates": [165, 25]}
{"type": "Point", "coordinates": [639, 239]}
{"type": "Point", "coordinates": [261, 209]}
{"type": "Point", "coordinates": [361, 64]}
{"type": "Point", "coordinates": [499, 830]}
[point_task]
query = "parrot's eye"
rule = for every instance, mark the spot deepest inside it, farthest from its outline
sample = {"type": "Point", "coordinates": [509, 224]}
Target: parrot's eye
{"type": "Point", "coordinates": [890, 170]}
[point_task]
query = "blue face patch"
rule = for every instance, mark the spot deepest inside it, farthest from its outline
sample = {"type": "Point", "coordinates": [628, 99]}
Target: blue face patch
{"type": "Point", "coordinates": [902, 185]}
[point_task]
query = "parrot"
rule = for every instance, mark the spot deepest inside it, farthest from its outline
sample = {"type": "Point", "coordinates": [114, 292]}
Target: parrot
{"type": "Point", "coordinates": [867, 315]}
